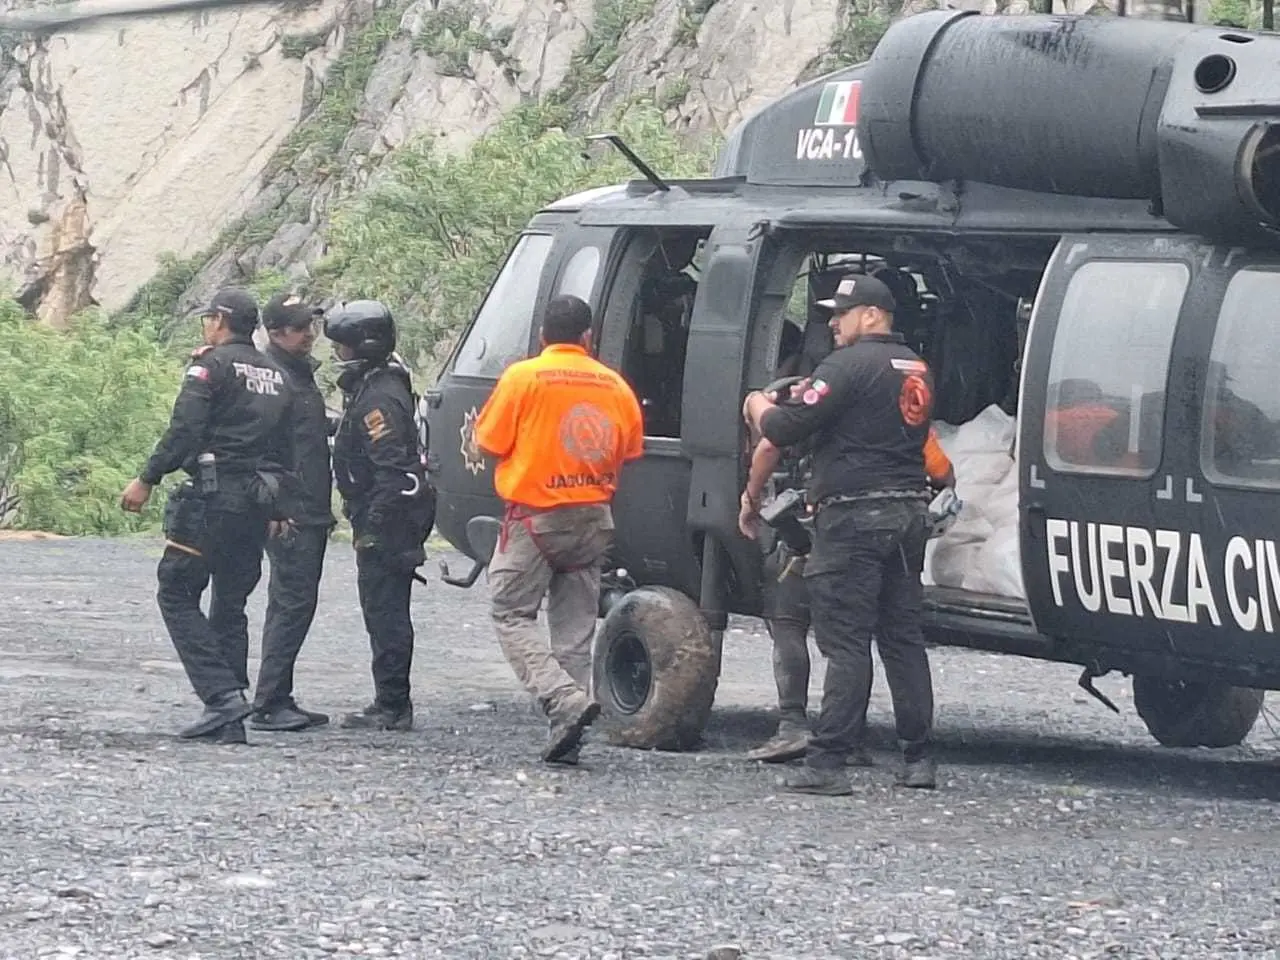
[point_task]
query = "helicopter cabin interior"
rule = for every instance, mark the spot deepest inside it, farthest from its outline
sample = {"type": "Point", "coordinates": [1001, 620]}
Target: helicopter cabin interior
{"type": "Point", "coordinates": [964, 305]}
{"type": "Point", "coordinates": [665, 270]}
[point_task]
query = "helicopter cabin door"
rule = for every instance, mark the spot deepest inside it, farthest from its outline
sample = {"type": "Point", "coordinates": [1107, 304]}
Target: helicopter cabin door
{"type": "Point", "coordinates": [501, 333]}
{"type": "Point", "coordinates": [647, 314]}
{"type": "Point", "coordinates": [547, 260]}
{"type": "Point", "coordinates": [1110, 498]}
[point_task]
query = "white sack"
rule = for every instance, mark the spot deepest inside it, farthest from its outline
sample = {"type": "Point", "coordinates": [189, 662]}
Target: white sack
{"type": "Point", "coordinates": [980, 551]}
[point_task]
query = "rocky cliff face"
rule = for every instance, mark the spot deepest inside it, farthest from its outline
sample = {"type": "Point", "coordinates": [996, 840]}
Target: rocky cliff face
{"type": "Point", "coordinates": [451, 68]}
{"type": "Point", "coordinates": [225, 138]}
{"type": "Point", "coordinates": [119, 143]}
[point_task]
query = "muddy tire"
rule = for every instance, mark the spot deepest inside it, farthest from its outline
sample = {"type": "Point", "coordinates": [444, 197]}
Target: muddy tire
{"type": "Point", "coordinates": [656, 666]}
{"type": "Point", "coordinates": [1185, 714]}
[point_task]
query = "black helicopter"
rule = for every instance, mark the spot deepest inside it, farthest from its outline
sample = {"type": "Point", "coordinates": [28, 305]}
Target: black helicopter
{"type": "Point", "coordinates": [1082, 216]}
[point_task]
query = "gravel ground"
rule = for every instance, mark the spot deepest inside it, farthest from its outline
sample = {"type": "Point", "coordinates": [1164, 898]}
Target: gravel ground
{"type": "Point", "coordinates": [1060, 829]}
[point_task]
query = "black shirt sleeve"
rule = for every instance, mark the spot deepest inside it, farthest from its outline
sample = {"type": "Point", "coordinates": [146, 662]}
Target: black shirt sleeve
{"type": "Point", "coordinates": [388, 437]}
{"type": "Point", "coordinates": [189, 421]}
{"type": "Point", "coordinates": [825, 397]}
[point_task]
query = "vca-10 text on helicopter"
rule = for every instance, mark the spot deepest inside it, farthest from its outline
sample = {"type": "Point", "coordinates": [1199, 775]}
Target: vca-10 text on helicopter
{"type": "Point", "coordinates": [1081, 215]}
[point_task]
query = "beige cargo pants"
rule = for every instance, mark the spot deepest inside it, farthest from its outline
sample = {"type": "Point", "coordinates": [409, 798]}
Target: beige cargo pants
{"type": "Point", "coordinates": [553, 554]}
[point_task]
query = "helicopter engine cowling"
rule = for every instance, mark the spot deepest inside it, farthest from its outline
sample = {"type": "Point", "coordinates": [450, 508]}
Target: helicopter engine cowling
{"type": "Point", "coordinates": [1183, 115]}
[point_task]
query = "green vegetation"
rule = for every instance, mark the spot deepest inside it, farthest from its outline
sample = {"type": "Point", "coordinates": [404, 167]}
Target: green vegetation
{"type": "Point", "coordinates": [587, 68]}
{"type": "Point", "coordinates": [325, 129]}
{"type": "Point", "coordinates": [862, 24]}
{"type": "Point", "coordinates": [295, 46]}
{"type": "Point", "coordinates": [692, 13]}
{"type": "Point", "coordinates": [80, 410]}
{"type": "Point", "coordinates": [453, 33]}
{"type": "Point", "coordinates": [674, 93]}
{"type": "Point", "coordinates": [432, 234]}
{"type": "Point", "coordinates": [1236, 13]}
{"type": "Point", "coordinates": [79, 413]}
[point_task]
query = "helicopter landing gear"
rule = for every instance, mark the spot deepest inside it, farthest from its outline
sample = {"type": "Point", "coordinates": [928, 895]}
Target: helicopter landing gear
{"type": "Point", "coordinates": [657, 664]}
{"type": "Point", "coordinates": [1196, 713]}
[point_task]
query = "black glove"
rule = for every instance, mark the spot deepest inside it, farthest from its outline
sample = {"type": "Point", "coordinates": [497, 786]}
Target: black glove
{"type": "Point", "coordinates": [390, 547]}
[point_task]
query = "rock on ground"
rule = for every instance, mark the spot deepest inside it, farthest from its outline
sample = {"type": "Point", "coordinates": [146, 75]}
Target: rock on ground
{"type": "Point", "coordinates": [1060, 830]}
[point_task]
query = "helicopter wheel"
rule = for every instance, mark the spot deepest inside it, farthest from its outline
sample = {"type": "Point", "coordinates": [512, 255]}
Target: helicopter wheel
{"type": "Point", "coordinates": [1196, 714]}
{"type": "Point", "coordinates": [656, 667]}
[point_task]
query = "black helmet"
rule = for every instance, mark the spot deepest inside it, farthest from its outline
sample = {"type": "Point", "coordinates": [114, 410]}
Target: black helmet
{"type": "Point", "coordinates": [366, 326]}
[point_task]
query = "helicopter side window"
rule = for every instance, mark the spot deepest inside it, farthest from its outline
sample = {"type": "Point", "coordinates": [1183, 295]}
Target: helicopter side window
{"type": "Point", "coordinates": [579, 275]}
{"type": "Point", "coordinates": [654, 358]}
{"type": "Point", "coordinates": [1240, 433]}
{"type": "Point", "coordinates": [502, 330]}
{"type": "Point", "coordinates": [1110, 363]}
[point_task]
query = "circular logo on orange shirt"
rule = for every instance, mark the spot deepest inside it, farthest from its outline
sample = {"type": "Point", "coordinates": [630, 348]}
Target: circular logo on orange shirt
{"type": "Point", "coordinates": [586, 433]}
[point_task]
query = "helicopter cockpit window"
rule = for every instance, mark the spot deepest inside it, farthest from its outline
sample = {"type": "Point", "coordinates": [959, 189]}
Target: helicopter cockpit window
{"type": "Point", "coordinates": [1240, 433]}
{"type": "Point", "coordinates": [654, 358]}
{"type": "Point", "coordinates": [1106, 396]}
{"type": "Point", "coordinates": [503, 328]}
{"type": "Point", "coordinates": [579, 275]}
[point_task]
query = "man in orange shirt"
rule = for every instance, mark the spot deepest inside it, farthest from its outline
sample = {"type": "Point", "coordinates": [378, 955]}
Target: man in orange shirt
{"type": "Point", "coordinates": [561, 425]}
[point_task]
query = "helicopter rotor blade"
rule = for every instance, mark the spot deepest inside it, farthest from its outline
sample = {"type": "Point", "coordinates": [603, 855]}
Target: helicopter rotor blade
{"type": "Point", "coordinates": [61, 18]}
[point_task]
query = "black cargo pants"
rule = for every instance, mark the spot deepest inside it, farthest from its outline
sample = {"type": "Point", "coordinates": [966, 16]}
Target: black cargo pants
{"type": "Point", "coordinates": [220, 540]}
{"type": "Point", "coordinates": [293, 590]}
{"type": "Point", "coordinates": [384, 601]}
{"type": "Point", "coordinates": [864, 580]}
{"type": "Point", "coordinates": [786, 609]}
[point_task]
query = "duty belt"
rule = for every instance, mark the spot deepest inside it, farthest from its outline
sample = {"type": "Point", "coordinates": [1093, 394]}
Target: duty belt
{"type": "Point", "coordinates": [836, 498]}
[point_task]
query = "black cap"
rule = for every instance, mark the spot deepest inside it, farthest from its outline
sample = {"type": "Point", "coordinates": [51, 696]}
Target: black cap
{"type": "Point", "coordinates": [860, 291]}
{"type": "Point", "coordinates": [288, 310]}
{"type": "Point", "coordinates": [239, 306]}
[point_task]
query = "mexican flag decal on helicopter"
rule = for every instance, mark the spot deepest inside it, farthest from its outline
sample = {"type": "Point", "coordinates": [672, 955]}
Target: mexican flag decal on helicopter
{"type": "Point", "coordinates": [838, 105]}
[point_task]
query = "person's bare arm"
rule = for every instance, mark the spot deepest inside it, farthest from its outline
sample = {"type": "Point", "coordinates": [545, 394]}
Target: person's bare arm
{"type": "Point", "coordinates": [764, 460]}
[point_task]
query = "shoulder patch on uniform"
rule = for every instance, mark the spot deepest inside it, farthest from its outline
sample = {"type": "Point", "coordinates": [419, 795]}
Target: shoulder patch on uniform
{"type": "Point", "coordinates": [197, 372]}
{"type": "Point", "coordinates": [815, 392]}
{"type": "Point", "coordinates": [909, 366]}
{"type": "Point", "coordinates": [376, 425]}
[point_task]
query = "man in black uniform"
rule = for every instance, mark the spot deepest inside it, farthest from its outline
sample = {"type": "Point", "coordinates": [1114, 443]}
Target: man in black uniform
{"type": "Point", "coordinates": [379, 469]}
{"type": "Point", "coordinates": [867, 408]}
{"type": "Point", "coordinates": [786, 598]}
{"type": "Point", "coordinates": [297, 553]}
{"type": "Point", "coordinates": [230, 431]}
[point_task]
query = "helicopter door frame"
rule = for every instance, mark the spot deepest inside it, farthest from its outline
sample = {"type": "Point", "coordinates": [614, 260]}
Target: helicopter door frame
{"type": "Point", "coordinates": [1236, 515]}
{"type": "Point", "coordinates": [1103, 495]}
{"type": "Point", "coordinates": [572, 243]}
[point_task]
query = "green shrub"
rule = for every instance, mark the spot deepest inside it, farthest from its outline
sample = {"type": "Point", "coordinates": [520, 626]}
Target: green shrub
{"type": "Point", "coordinates": [80, 410]}
{"type": "Point", "coordinates": [431, 235]}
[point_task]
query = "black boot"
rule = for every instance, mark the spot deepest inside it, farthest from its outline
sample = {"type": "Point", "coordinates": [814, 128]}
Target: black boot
{"type": "Point", "coordinates": [231, 735]}
{"type": "Point", "coordinates": [859, 757]}
{"type": "Point", "coordinates": [825, 783]}
{"type": "Point", "coordinates": [377, 717]}
{"type": "Point", "coordinates": [313, 718]}
{"type": "Point", "coordinates": [222, 710]}
{"type": "Point", "coordinates": [566, 733]}
{"type": "Point", "coordinates": [279, 719]}
{"type": "Point", "coordinates": [919, 771]}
